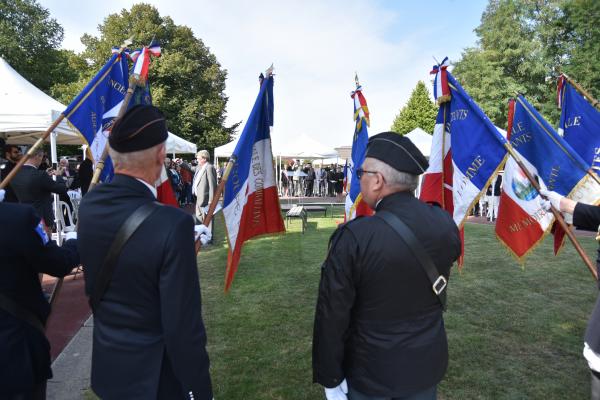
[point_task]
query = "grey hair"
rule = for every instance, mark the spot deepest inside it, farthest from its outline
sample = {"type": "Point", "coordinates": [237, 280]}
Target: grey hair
{"type": "Point", "coordinates": [134, 159]}
{"type": "Point", "coordinates": [395, 178]}
{"type": "Point", "coordinates": [204, 154]}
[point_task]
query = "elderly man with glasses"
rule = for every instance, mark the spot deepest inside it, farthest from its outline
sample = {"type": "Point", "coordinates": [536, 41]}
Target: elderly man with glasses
{"type": "Point", "coordinates": [379, 332]}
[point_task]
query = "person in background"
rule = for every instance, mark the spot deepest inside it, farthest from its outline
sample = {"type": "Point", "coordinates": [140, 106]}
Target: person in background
{"type": "Point", "coordinates": [85, 173]}
{"type": "Point", "coordinates": [205, 185]}
{"type": "Point", "coordinates": [34, 186]}
{"type": "Point", "coordinates": [12, 154]}
{"type": "Point", "coordinates": [379, 332]}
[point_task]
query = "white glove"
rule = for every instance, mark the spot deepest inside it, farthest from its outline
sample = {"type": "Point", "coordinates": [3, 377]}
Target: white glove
{"type": "Point", "coordinates": [202, 233]}
{"type": "Point", "coordinates": [554, 200]}
{"type": "Point", "coordinates": [2, 192]}
{"type": "Point", "coordinates": [70, 235]}
{"type": "Point", "coordinates": [338, 392]}
{"type": "Point", "coordinates": [552, 197]}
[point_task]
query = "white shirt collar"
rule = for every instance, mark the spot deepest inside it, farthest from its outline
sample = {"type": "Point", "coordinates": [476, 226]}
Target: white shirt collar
{"type": "Point", "coordinates": [150, 187]}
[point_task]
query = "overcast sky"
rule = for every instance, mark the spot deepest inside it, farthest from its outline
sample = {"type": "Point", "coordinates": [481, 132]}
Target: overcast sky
{"type": "Point", "coordinates": [315, 46]}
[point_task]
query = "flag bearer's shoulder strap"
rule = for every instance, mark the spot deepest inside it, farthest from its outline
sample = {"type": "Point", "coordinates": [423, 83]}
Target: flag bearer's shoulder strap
{"type": "Point", "coordinates": [438, 281]}
{"type": "Point", "coordinates": [131, 224]}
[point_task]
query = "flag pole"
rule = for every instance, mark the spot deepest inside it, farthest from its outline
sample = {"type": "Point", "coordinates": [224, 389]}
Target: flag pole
{"type": "Point", "coordinates": [219, 191]}
{"type": "Point", "coordinates": [580, 89]}
{"type": "Point", "coordinates": [557, 214]}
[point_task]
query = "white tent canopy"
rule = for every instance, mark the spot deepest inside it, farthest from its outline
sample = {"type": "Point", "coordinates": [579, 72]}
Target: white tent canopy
{"type": "Point", "coordinates": [26, 112]}
{"type": "Point", "coordinates": [301, 146]}
{"type": "Point", "coordinates": [178, 145]}
{"type": "Point", "coordinates": [422, 140]}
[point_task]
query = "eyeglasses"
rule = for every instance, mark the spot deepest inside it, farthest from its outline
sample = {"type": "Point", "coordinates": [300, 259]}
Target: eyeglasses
{"type": "Point", "coordinates": [360, 172]}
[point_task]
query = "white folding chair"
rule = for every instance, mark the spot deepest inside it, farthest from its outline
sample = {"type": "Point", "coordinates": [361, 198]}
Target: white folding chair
{"type": "Point", "coordinates": [65, 226]}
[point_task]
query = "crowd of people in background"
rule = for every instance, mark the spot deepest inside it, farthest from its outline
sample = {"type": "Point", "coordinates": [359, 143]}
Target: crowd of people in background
{"type": "Point", "coordinates": [299, 180]}
{"type": "Point", "coordinates": [38, 180]}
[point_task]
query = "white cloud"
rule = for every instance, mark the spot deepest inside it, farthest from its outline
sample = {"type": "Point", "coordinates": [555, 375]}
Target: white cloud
{"type": "Point", "coordinates": [316, 47]}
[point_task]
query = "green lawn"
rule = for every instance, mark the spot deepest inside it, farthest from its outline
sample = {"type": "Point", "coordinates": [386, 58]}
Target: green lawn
{"type": "Point", "coordinates": [514, 333]}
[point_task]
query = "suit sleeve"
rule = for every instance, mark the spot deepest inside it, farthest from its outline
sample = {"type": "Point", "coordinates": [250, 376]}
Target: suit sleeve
{"type": "Point", "coordinates": [45, 255]}
{"type": "Point", "coordinates": [586, 216]}
{"type": "Point", "coordinates": [181, 310]}
{"type": "Point", "coordinates": [334, 304]}
{"type": "Point", "coordinates": [58, 186]}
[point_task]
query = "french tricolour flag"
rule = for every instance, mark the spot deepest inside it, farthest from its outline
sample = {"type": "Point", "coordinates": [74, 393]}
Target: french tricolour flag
{"type": "Point", "coordinates": [478, 150]}
{"type": "Point", "coordinates": [436, 186]}
{"type": "Point", "coordinates": [251, 204]}
{"type": "Point", "coordinates": [355, 206]}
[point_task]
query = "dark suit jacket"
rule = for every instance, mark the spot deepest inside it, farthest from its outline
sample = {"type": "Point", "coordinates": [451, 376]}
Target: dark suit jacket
{"type": "Point", "coordinates": [10, 196]}
{"type": "Point", "coordinates": [149, 338]}
{"type": "Point", "coordinates": [85, 174]}
{"type": "Point", "coordinates": [24, 351]}
{"type": "Point", "coordinates": [588, 217]}
{"type": "Point", "coordinates": [35, 187]}
{"type": "Point", "coordinates": [377, 322]}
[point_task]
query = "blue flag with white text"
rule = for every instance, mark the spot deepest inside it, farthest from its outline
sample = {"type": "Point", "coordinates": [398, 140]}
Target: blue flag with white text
{"type": "Point", "coordinates": [477, 150]}
{"type": "Point", "coordinates": [556, 162]}
{"type": "Point", "coordinates": [579, 124]}
{"type": "Point", "coordinates": [94, 110]}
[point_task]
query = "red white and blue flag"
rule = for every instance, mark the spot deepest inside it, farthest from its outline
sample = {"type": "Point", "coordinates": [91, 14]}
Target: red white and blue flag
{"type": "Point", "coordinates": [465, 136]}
{"type": "Point", "coordinates": [522, 221]}
{"type": "Point", "coordinates": [467, 150]}
{"type": "Point", "coordinates": [251, 204]}
{"type": "Point", "coordinates": [558, 167]}
{"type": "Point", "coordinates": [580, 126]}
{"type": "Point", "coordinates": [355, 206]}
{"type": "Point", "coordinates": [94, 110]}
{"type": "Point", "coordinates": [579, 123]}
{"type": "Point", "coordinates": [141, 60]}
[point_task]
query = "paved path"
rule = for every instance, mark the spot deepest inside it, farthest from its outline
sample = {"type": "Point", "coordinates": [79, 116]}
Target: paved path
{"type": "Point", "coordinates": [72, 367]}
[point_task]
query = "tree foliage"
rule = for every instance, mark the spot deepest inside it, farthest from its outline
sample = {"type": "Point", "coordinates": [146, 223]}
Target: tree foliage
{"type": "Point", "coordinates": [30, 41]}
{"type": "Point", "coordinates": [187, 83]}
{"type": "Point", "coordinates": [419, 112]}
{"type": "Point", "coordinates": [523, 46]}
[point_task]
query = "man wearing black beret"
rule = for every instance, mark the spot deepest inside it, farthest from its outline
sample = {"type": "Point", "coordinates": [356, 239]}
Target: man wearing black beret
{"type": "Point", "coordinates": [149, 338]}
{"type": "Point", "coordinates": [379, 332]}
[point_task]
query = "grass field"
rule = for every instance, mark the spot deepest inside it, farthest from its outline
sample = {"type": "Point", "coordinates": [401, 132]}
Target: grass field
{"type": "Point", "coordinates": [514, 333]}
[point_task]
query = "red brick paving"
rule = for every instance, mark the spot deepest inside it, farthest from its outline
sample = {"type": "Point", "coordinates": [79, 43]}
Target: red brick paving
{"type": "Point", "coordinates": [70, 311]}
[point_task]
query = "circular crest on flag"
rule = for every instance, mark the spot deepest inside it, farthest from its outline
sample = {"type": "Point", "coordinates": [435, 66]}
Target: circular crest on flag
{"type": "Point", "coordinates": [522, 188]}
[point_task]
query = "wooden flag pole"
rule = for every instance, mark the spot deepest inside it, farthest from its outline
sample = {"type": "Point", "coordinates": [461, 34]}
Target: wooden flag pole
{"type": "Point", "coordinates": [584, 92]}
{"type": "Point", "coordinates": [219, 191]}
{"type": "Point", "coordinates": [556, 212]}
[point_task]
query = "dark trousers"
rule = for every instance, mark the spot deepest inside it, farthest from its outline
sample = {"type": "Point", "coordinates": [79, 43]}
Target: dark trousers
{"type": "Point", "coordinates": [595, 395]}
{"type": "Point", "coordinates": [37, 392]}
{"type": "Point", "coordinates": [427, 394]}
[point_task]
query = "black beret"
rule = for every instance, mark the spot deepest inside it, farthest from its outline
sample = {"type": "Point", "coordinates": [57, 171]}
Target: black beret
{"type": "Point", "coordinates": [140, 128]}
{"type": "Point", "coordinates": [398, 152]}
